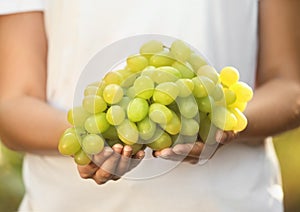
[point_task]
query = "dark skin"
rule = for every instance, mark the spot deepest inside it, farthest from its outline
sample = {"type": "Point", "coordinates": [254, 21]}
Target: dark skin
{"type": "Point", "coordinates": [23, 74]}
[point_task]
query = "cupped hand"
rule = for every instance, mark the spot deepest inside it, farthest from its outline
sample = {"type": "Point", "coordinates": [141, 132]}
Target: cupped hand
{"type": "Point", "coordinates": [111, 164]}
{"type": "Point", "coordinates": [191, 152]}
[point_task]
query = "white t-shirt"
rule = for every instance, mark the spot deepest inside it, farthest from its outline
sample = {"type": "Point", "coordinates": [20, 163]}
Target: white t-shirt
{"type": "Point", "coordinates": [237, 178]}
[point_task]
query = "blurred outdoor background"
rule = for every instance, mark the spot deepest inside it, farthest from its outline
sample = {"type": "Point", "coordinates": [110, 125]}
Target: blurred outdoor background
{"type": "Point", "coordinates": [287, 146]}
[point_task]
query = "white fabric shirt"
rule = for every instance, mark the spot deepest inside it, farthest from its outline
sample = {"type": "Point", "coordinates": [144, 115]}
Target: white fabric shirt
{"type": "Point", "coordinates": [237, 178]}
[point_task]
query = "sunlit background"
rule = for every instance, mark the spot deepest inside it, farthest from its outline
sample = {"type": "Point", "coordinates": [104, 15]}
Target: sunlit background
{"type": "Point", "coordinates": [287, 146]}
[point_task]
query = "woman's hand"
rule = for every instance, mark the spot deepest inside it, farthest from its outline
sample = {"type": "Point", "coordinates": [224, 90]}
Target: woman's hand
{"type": "Point", "coordinates": [191, 152]}
{"type": "Point", "coordinates": [111, 164]}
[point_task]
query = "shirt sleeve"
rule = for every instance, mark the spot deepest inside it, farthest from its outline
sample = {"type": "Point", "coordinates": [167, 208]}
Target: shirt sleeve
{"type": "Point", "coordinates": [16, 6]}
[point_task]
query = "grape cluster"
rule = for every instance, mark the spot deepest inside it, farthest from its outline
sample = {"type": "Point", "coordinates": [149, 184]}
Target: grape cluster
{"type": "Point", "coordinates": [163, 96]}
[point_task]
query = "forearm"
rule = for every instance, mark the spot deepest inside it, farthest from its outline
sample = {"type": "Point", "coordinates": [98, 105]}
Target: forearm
{"type": "Point", "coordinates": [275, 108]}
{"type": "Point", "coordinates": [30, 124]}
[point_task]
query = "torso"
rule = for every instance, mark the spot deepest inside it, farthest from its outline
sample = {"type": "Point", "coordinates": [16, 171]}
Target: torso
{"type": "Point", "coordinates": [238, 178]}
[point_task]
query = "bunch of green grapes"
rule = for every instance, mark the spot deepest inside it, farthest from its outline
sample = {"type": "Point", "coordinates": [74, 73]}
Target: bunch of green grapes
{"type": "Point", "coordinates": [162, 96]}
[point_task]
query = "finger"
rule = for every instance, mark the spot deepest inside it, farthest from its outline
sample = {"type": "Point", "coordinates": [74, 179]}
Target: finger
{"type": "Point", "coordinates": [191, 151]}
{"type": "Point", "coordinates": [87, 171]}
{"type": "Point", "coordinates": [124, 162]}
{"type": "Point", "coordinates": [224, 137]}
{"type": "Point", "coordinates": [183, 149]}
{"type": "Point", "coordinates": [136, 159]}
{"type": "Point", "coordinates": [169, 154]}
{"type": "Point", "coordinates": [196, 149]}
{"type": "Point", "coordinates": [232, 135]}
{"type": "Point", "coordinates": [106, 171]}
{"type": "Point", "coordinates": [191, 160]}
{"type": "Point", "coordinates": [159, 153]}
{"type": "Point", "coordinates": [99, 158]}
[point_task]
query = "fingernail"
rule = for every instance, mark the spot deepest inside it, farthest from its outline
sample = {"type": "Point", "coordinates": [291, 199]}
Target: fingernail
{"type": "Point", "coordinates": [141, 155]}
{"type": "Point", "coordinates": [107, 151]}
{"type": "Point", "coordinates": [127, 149]}
{"type": "Point", "coordinates": [118, 146]}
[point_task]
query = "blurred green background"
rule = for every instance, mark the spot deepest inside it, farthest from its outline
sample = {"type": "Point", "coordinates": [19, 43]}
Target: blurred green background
{"type": "Point", "coordinates": [287, 146]}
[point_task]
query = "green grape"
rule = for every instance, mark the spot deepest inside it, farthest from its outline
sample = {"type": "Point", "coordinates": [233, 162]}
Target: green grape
{"type": "Point", "coordinates": [96, 123]}
{"type": "Point", "coordinates": [218, 94]}
{"type": "Point", "coordinates": [111, 143]}
{"type": "Point", "coordinates": [149, 71]}
{"type": "Point", "coordinates": [136, 147]}
{"type": "Point", "coordinates": [128, 77]}
{"type": "Point", "coordinates": [160, 113]}
{"type": "Point", "coordinates": [209, 72]}
{"type": "Point", "coordinates": [196, 61]}
{"type": "Point", "coordinates": [124, 102]}
{"type": "Point", "coordinates": [111, 133]}
{"type": "Point", "coordinates": [128, 82]}
{"type": "Point", "coordinates": [69, 144]}
{"type": "Point", "coordinates": [174, 107]}
{"type": "Point", "coordinates": [180, 50]}
{"type": "Point", "coordinates": [94, 104]}
{"type": "Point", "coordinates": [172, 127]}
{"type": "Point", "coordinates": [158, 132]}
{"type": "Point", "coordinates": [137, 109]}
{"type": "Point", "coordinates": [137, 63]}
{"type": "Point", "coordinates": [143, 87]}
{"type": "Point", "coordinates": [208, 84]}
{"type": "Point", "coordinates": [128, 132]}
{"type": "Point", "coordinates": [115, 115]}
{"type": "Point", "coordinates": [90, 90]}
{"type": "Point", "coordinates": [161, 142]}
{"type": "Point", "coordinates": [165, 93]}
{"type": "Point", "coordinates": [185, 86]}
{"type": "Point", "coordinates": [113, 77]}
{"type": "Point", "coordinates": [230, 96]}
{"type": "Point", "coordinates": [243, 91]}
{"type": "Point", "coordinates": [203, 86]}
{"type": "Point", "coordinates": [77, 116]}
{"type": "Point", "coordinates": [101, 87]}
{"type": "Point", "coordinates": [229, 76]}
{"type": "Point", "coordinates": [92, 144]}
{"type": "Point", "coordinates": [183, 139]}
{"type": "Point", "coordinates": [205, 104]}
{"type": "Point", "coordinates": [78, 131]}
{"type": "Point", "coordinates": [187, 106]}
{"type": "Point", "coordinates": [177, 139]}
{"type": "Point", "coordinates": [199, 89]}
{"type": "Point", "coordinates": [205, 127]}
{"type": "Point", "coordinates": [185, 69]}
{"type": "Point", "coordinates": [163, 58]}
{"type": "Point", "coordinates": [223, 118]}
{"type": "Point", "coordinates": [202, 116]}
{"type": "Point", "coordinates": [190, 139]}
{"type": "Point", "coordinates": [241, 120]}
{"type": "Point", "coordinates": [151, 47]}
{"type": "Point", "coordinates": [81, 158]}
{"type": "Point", "coordinates": [146, 128]}
{"type": "Point", "coordinates": [112, 93]}
{"type": "Point", "coordinates": [130, 92]}
{"type": "Point", "coordinates": [165, 74]}
{"type": "Point", "coordinates": [189, 126]}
